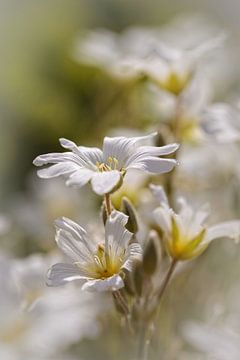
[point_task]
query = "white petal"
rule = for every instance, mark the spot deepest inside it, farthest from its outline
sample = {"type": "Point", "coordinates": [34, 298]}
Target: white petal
{"type": "Point", "coordinates": [88, 156]}
{"type": "Point", "coordinates": [159, 194]}
{"type": "Point", "coordinates": [154, 165]}
{"type": "Point", "coordinates": [112, 283]}
{"type": "Point", "coordinates": [134, 253]}
{"type": "Point", "coordinates": [122, 147]}
{"type": "Point", "coordinates": [117, 237]}
{"type": "Point", "coordinates": [228, 229]}
{"type": "Point", "coordinates": [72, 248]}
{"type": "Point", "coordinates": [105, 182]}
{"type": "Point", "coordinates": [57, 170]}
{"type": "Point", "coordinates": [62, 273]}
{"type": "Point", "coordinates": [55, 158]}
{"type": "Point", "coordinates": [162, 216]}
{"type": "Point", "coordinates": [80, 177]}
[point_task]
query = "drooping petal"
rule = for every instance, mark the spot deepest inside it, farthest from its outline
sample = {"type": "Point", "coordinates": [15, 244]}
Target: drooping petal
{"type": "Point", "coordinates": [105, 182]}
{"type": "Point", "coordinates": [112, 283]}
{"type": "Point", "coordinates": [228, 229]}
{"type": "Point", "coordinates": [62, 273]}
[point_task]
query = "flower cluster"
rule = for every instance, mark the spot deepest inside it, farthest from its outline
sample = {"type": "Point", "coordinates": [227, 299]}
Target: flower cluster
{"type": "Point", "coordinates": [136, 255]}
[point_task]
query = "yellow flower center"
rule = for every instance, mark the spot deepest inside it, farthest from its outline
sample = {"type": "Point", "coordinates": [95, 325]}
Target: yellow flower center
{"type": "Point", "coordinates": [111, 164]}
{"type": "Point", "coordinates": [104, 266]}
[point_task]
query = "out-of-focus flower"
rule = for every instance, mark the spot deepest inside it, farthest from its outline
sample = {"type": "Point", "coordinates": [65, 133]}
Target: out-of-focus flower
{"type": "Point", "coordinates": [185, 233]}
{"type": "Point", "coordinates": [214, 342]}
{"type": "Point", "coordinates": [55, 319]}
{"type": "Point", "coordinates": [198, 118]}
{"type": "Point", "coordinates": [203, 120]}
{"type": "Point", "coordinates": [34, 211]}
{"type": "Point", "coordinates": [106, 168]}
{"type": "Point", "coordinates": [140, 51]}
{"type": "Point", "coordinates": [97, 265]}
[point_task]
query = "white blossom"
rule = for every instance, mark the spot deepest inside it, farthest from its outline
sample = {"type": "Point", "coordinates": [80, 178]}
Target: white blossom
{"type": "Point", "coordinates": [38, 322]}
{"type": "Point", "coordinates": [186, 234]}
{"type": "Point", "coordinates": [142, 51]}
{"type": "Point", "coordinates": [106, 168]}
{"type": "Point", "coordinates": [97, 265]}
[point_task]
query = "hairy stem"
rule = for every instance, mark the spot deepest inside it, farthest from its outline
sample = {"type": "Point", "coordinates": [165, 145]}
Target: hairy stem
{"type": "Point", "coordinates": [108, 204]}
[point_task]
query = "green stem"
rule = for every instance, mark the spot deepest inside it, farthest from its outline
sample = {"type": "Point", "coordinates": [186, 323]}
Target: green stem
{"type": "Point", "coordinates": [124, 307]}
{"type": "Point", "coordinates": [143, 343]}
{"type": "Point", "coordinates": [167, 279]}
{"type": "Point", "coordinates": [176, 130]}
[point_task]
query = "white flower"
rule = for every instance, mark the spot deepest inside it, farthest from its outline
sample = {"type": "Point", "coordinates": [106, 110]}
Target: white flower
{"type": "Point", "coordinates": [106, 168]}
{"type": "Point", "coordinates": [97, 265]}
{"type": "Point", "coordinates": [215, 342]}
{"type": "Point", "coordinates": [185, 233]}
{"type": "Point", "coordinates": [212, 121]}
{"type": "Point", "coordinates": [142, 51]}
{"type": "Point", "coordinates": [57, 319]}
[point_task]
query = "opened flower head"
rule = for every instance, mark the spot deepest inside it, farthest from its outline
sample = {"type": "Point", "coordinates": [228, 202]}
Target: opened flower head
{"type": "Point", "coordinates": [98, 265]}
{"type": "Point", "coordinates": [106, 168]}
{"type": "Point", "coordinates": [185, 233]}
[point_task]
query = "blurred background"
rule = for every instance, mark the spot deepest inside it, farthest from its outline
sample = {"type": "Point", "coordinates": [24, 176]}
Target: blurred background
{"type": "Point", "coordinates": [45, 93]}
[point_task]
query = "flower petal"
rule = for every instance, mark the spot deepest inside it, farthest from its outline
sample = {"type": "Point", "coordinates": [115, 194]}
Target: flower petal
{"type": "Point", "coordinates": [162, 217]}
{"type": "Point", "coordinates": [112, 283]}
{"type": "Point", "coordinates": [228, 229]}
{"type": "Point", "coordinates": [159, 194]}
{"type": "Point", "coordinates": [62, 273]}
{"type": "Point", "coordinates": [105, 182]}
{"type": "Point", "coordinates": [80, 178]}
{"type": "Point", "coordinates": [133, 254]}
{"type": "Point", "coordinates": [154, 165]}
{"type": "Point", "coordinates": [63, 168]}
{"type": "Point", "coordinates": [117, 237]}
{"type": "Point", "coordinates": [122, 147]}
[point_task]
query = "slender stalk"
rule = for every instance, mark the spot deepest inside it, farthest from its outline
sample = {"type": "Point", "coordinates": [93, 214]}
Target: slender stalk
{"type": "Point", "coordinates": [167, 279]}
{"type": "Point", "coordinates": [124, 306]}
{"type": "Point", "coordinates": [176, 131]}
{"type": "Point", "coordinates": [108, 203]}
{"type": "Point", "coordinates": [143, 343]}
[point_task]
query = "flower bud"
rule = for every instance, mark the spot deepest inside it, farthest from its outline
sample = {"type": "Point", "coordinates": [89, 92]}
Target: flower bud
{"type": "Point", "coordinates": [138, 278]}
{"type": "Point", "coordinates": [129, 210]}
{"type": "Point", "coordinates": [150, 257]}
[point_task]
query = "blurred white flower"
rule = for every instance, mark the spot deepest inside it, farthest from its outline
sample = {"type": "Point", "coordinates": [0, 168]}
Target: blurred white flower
{"type": "Point", "coordinates": [215, 342]}
{"type": "Point", "coordinates": [142, 51]}
{"type": "Point", "coordinates": [185, 233]}
{"type": "Point", "coordinates": [98, 265]}
{"type": "Point", "coordinates": [106, 168]}
{"type": "Point", "coordinates": [199, 119]}
{"type": "Point", "coordinates": [55, 320]}
{"type": "Point", "coordinates": [34, 211]}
